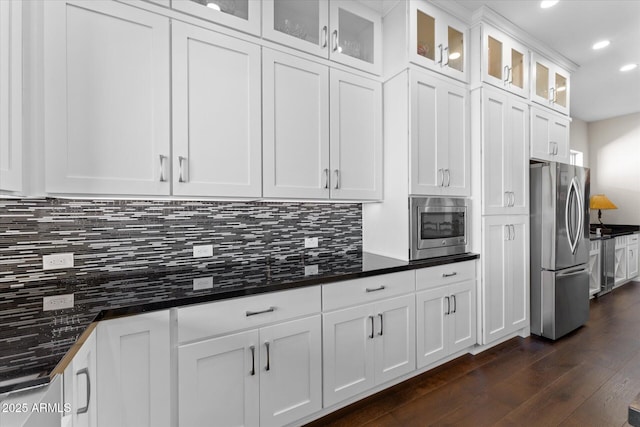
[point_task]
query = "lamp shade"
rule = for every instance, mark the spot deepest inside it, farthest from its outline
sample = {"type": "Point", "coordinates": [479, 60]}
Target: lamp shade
{"type": "Point", "coordinates": [600, 201]}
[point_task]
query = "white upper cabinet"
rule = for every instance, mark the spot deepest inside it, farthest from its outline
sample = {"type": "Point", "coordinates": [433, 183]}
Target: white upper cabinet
{"type": "Point", "coordinates": [11, 95]}
{"type": "Point", "coordinates": [356, 137]}
{"type": "Point", "coordinates": [304, 157]}
{"type": "Point", "coordinates": [242, 15]}
{"type": "Point", "coordinates": [437, 40]}
{"type": "Point", "coordinates": [504, 62]}
{"type": "Point", "coordinates": [216, 114]}
{"type": "Point", "coordinates": [505, 154]}
{"type": "Point", "coordinates": [550, 85]}
{"type": "Point", "coordinates": [347, 32]}
{"type": "Point", "coordinates": [549, 136]}
{"type": "Point", "coordinates": [440, 151]}
{"type": "Point", "coordinates": [295, 127]}
{"type": "Point", "coordinates": [107, 87]}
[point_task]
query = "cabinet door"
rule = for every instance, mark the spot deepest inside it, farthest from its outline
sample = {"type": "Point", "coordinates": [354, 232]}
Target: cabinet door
{"type": "Point", "coordinates": [11, 95]}
{"type": "Point", "coordinates": [290, 371]}
{"type": "Point", "coordinates": [356, 137]}
{"type": "Point", "coordinates": [303, 25]}
{"type": "Point", "coordinates": [395, 347]}
{"type": "Point", "coordinates": [80, 386]}
{"type": "Point", "coordinates": [453, 140]}
{"type": "Point", "coordinates": [348, 353]}
{"type": "Point", "coordinates": [620, 264]}
{"type": "Point", "coordinates": [356, 35]}
{"type": "Point", "coordinates": [106, 102]}
{"type": "Point", "coordinates": [560, 137]}
{"type": "Point", "coordinates": [594, 268]}
{"type": "Point", "coordinates": [433, 307]}
{"type": "Point", "coordinates": [216, 114]}
{"type": "Point", "coordinates": [243, 15]}
{"type": "Point", "coordinates": [295, 127]}
{"type": "Point", "coordinates": [495, 230]}
{"type": "Point", "coordinates": [134, 370]}
{"type": "Point", "coordinates": [218, 381]}
{"type": "Point", "coordinates": [462, 321]}
{"type": "Point", "coordinates": [517, 268]}
{"type": "Point", "coordinates": [495, 156]}
{"type": "Point", "coordinates": [437, 40]}
{"type": "Point", "coordinates": [427, 177]}
{"type": "Point", "coordinates": [504, 62]}
{"type": "Point", "coordinates": [549, 136]}
{"type": "Point", "coordinates": [632, 261]}
{"type": "Point", "coordinates": [550, 85]}
{"type": "Point", "coordinates": [517, 165]}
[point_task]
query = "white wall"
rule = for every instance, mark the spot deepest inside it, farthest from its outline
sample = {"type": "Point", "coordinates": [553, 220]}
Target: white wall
{"type": "Point", "coordinates": [580, 139]}
{"type": "Point", "coordinates": [614, 147]}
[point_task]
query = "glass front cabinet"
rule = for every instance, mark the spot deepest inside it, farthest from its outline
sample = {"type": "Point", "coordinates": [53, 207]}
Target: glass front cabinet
{"type": "Point", "coordinates": [437, 40]}
{"type": "Point", "coordinates": [344, 31]}
{"type": "Point", "coordinates": [242, 15]}
{"type": "Point", "coordinates": [550, 85]}
{"type": "Point", "coordinates": [505, 62]}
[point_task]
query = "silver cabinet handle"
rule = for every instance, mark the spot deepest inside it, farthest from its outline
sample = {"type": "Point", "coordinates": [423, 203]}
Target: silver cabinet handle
{"type": "Point", "coordinates": [163, 164]}
{"type": "Point", "coordinates": [448, 305]}
{"type": "Point", "coordinates": [507, 199]}
{"type": "Point", "coordinates": [85, 408]}
{"type": "Point", "coordinates": [337, 172]}
{"type": "Point", "coordinates": [441, 59]}
{"type": "Point", "coordinates": [449, 274]}
{"type": "Point", "coordinates": [325, 36]}
{"type": "Point", "coordinates": [506, 74]}
{"type": "Point", "coordinates": [552, 95]}
{"type": "Point", "coordinates": [550, 149]}
{"type": "Point", "coordinates": [268, 365]}
{"type": "Point", "coordinates": [182, 166]}
{"type": "Point", "coordinates": [371, 319]}
{"type": "Point", "coordinates": [326, 178]}
{"type": "Point", "coordinates": [381, 324]}
{"type": "Point", "coordinates": [556, 145]}
{"type": "Point", "coordinates": [335, 40]}
{"type": "Point", "coordinates": [508, 231]}
{"type": "Point", "coordinates": [455, 304]}
{"type": "Point", "coordinates": [512, 199]}
{"type": "Point", "coordinates": [513, 230]}
{"type": "Point", "coordinates": [253, 360]}
{"type": "Point", "coordinates": [441, 175]}
{"type": "Point", "coordinates": [446, 53]}
{"type": "Point", "coordinates": [253, 313]}
{"type": "Point", "coordinates": [448, 177]}
{"type": "Point", "coordinates": [375, 289]}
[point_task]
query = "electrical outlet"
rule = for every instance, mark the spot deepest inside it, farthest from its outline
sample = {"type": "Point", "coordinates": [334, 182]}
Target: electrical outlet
{"type": "Point", "coordinates": [57, 261]}
{"type": "Point", "coordinates": [202, 251]}
{"type": "Point", "coordinates": [310, 242]}
{"type": "Point", "coordinates": [202, 283]}
{"type": "Point", "coordinates": [57, 302]}
{"type": "Point", "coordinates": [311, 270]}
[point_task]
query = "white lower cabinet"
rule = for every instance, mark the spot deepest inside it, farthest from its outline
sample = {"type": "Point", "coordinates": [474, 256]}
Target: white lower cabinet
{"type": "Point", "coordinates": [79, 387]}
{"type": "Point", "coordinates": [134, 371]}
{"type": "Point", "coordinates": [367, 345]}
{"type": "Point", "coordinates": [632, 256]}
{"type": "Point", "coordinates": [505, 284]}
{"type": "Point", "coordinates": [266, 377]}
{"type": "Point", "coordinates": [446, 319]}
{"type": "Point", "coordinates": [620, 262]}
{"type": "Point", "coordinates": [594, 268]}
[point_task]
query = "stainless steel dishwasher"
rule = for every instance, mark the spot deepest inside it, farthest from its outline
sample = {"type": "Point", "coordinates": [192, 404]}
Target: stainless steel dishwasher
{"type": "Point", "coordinates": [607, 264]}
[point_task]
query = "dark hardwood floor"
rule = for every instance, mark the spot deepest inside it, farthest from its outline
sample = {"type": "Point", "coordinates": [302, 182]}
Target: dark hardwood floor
{"type": "Point", "coordinates": [587, 378]}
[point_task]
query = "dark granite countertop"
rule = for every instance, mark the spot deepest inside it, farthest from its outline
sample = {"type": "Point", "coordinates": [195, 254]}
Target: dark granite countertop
{"type": "Point", "coordinates": [614, 230]}
{"type": "Point", "coordinates": [33, 342]}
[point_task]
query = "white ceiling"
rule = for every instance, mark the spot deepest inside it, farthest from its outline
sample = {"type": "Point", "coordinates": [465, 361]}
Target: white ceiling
{"type": "Point", "coordinates": [598, 89]}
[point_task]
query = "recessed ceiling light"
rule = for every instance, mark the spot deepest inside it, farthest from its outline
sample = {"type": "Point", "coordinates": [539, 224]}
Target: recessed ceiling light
{"type": "Point", "coordinates": [454, 55]}
{"type": "Point", "coordinates": [601, 44]}
{"type": "Point", "coordinates": [628, 67]}
{"type": "Point", "coordinates": [546, 4]}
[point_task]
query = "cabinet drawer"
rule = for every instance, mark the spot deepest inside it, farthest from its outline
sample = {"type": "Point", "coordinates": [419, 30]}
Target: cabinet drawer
{"type": "Point", "coordinates": [433, 277]}
{"type": "Point", "coordinates": [359, 291]}
{"type": "Point", "coordinates": [206, 320]}
{"type": "Point", "coordinates": [633, 238]}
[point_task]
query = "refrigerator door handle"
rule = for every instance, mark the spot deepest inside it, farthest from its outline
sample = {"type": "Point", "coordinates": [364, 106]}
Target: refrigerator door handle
{"type": "Point", "coordinates": [573, 232]}
{"type": "Point", "coordinates": [573, 272]}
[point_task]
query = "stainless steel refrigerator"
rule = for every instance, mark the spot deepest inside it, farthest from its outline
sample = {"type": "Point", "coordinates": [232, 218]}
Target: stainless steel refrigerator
{"type": "Point", "coordinates": [559, 195]}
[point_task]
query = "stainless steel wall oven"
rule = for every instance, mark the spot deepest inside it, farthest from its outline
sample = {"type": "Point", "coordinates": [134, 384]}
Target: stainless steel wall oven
{"type": "Point", "coordinates": [438, 226]}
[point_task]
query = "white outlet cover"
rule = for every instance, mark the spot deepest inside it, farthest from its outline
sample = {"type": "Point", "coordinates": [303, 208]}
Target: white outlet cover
{"type": "Point", "coordinates": [310, 242]}
{"type": "Point", "coordinates": [57, 261]}
{"type": "Point", "coordinates": [311, 270]}
{"type": "Point", "coordinates": [202, 283]}
{"type": "Point", "coordinates": [57, 302]}
{"type": "Point", "coordinates": [201, 251]}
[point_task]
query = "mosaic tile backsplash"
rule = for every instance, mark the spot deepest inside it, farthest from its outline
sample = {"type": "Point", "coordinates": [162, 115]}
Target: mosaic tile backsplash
{"type": "Point", "coordinates": [110, 236]}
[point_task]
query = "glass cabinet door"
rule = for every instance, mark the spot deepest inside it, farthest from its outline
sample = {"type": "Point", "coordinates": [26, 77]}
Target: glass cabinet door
{"type": "Point", "coordinates": [426, 35]}
{"type": "Point", "coordinates": [517, 70]}
{"type": "Point", "coordinates": [560, 90]}
{"type": "Point", "coordinates": [299, 24]}
{"type": "Point", "coordinates": [542, 81]}
{"type": "Point", "coordinates": [551, 85]}
{"type": "Point", "coordinates": [454, 54]}
{"type": "Point", "coordinates": [355, 37]}
{"type": "Point", "coordinates": [494, 58]}
{"type": "Point", "coordinates": [504, 62]}
{"type": "Point", "coordinates": [243, 15]}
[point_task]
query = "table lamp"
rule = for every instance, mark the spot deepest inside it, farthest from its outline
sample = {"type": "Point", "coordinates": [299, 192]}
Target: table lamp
{"type": "Point", "coordinates": [600, 202]}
